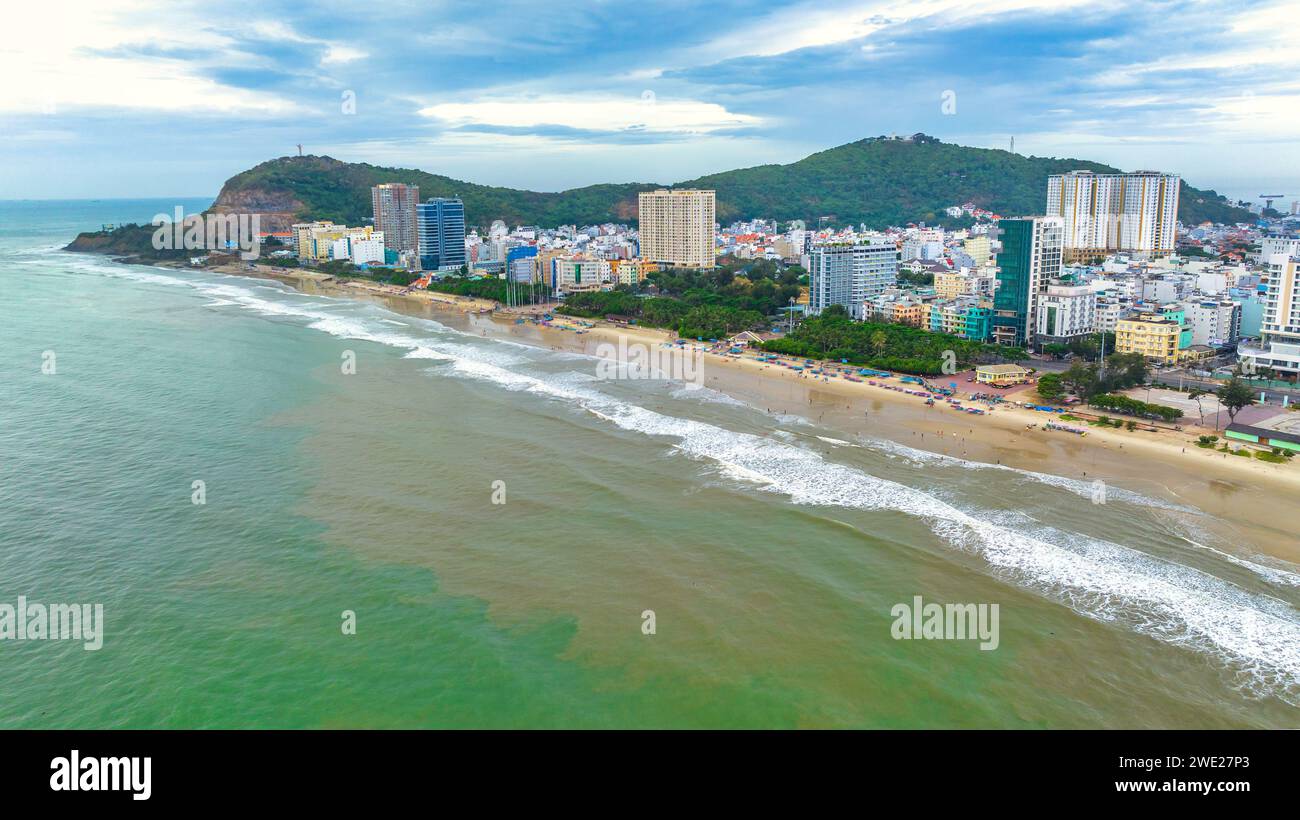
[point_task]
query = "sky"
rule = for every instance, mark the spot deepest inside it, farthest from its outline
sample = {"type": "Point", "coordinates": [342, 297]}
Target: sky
{"type": "Point", "coordinates": [138, 98]}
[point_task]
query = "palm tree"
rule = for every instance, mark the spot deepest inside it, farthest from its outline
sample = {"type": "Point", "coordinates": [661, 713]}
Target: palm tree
{"type": "Point", "coordinates": [878, 341]}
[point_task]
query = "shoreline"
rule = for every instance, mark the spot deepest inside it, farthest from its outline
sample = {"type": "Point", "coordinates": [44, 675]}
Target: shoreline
{"type": "Point", "coordinates": [1165, 464]}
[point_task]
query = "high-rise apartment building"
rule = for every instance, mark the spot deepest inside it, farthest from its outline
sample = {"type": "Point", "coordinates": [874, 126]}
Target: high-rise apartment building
{"type": "Point", "coordinates": [1106, 213]}
{"type": "Point", "coordinates": [394, 208]}
{"type": "Point", "coordinates": [849, 274]}
{"type": "Point", "coordinates": [1279, 348]}
{"type": "Point", "coordinates": [1029, 259]}
{"type": "Point", "coordinates": [676, 227]}
{"type": "Point", "coordinates": [440, 232]}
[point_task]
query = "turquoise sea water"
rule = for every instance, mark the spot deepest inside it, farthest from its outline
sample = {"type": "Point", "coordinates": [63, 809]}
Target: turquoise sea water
{"type": "Point", "coordinates": [770, 550]}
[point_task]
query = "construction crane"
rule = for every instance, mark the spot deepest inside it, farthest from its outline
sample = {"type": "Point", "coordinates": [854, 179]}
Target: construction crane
{"type": "Point", "coordinates": [1268, 200]}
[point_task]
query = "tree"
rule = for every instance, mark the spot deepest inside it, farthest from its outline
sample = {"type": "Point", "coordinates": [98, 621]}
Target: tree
{"type": "Point", "coordinates": [1082, 379]}
{"type": "Point", "coordinates": [878, 341]}
{"type": "Point", "coordinates": [1056, 350]}
{"type": "Point", "coordinates": [1234, 395]}
{"type": "Point", "coordinates": [1125, 370]}
{"type": "Point", "coordinates": [1195, 395]}
{"type": "Point", "coordinates": [1050, 387]}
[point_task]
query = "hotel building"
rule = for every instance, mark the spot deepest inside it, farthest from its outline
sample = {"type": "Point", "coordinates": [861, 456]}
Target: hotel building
{"type": "Point", "coordinates": [1065, 313]}
{"type": "Point", "coordinates": [440, 233]}
{"type": "Point", "coordinates": [1152, 335]}
{"type": "Point", "coordinates": [677, 227]}
{"type": "Point", "coordinates": [849, 274]}
{"type": "Point", "coordinates": [1279, 348]}
{"type": "Point", "coordinates": [1030, 257]}
{"type": "Point", "coordinates": [579, 274]}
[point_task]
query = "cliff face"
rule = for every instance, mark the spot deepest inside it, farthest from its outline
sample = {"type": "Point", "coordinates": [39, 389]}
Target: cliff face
{"type": "Point", "coordinates": [279, 209]}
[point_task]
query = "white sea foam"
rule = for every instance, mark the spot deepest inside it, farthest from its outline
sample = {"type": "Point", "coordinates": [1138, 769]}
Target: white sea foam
{"type": "Point", "coordinates": [1256, 635]}
{"type": "Point", "coordinates": [707, 395]}
{"type": "Point", "coordinates": [836, 441]}
{"type": "Point", "coordinates": [1080, 487]}
{"type": "Point", "coordinates": [1276, 575]}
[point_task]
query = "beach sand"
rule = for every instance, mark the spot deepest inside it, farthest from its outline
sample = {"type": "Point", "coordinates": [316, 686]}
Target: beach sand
{"type": "Point", "coordinates": [1251, 502]}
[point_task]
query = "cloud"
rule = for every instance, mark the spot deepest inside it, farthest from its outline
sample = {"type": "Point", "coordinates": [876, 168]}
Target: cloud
{"type": "Point", "coordinates": [142, 55]}
{"type": "Point", "coordinates": [595, 115]}
{"type": "Point", "coordinates": [545, 94]}
{"type": "Point", "coordinates": [811, 25]}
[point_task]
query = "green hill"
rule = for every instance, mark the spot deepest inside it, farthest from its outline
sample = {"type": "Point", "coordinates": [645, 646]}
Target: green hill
{"type": "Point", "coordinates": [886, 182]}
{"type": "Point", "coordinates": [878, 181]}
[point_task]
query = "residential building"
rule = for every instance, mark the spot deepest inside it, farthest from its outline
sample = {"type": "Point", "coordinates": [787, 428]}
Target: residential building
{"type": "Point", "coordinates": [951, 284]}
{"type": "Point", "coordinates": [1030, 257]}
{"type": "Point", "coordinates": [966, 318]}
{"type": "Point", "coordinates": [1213, 322]}
{"type": "Point", "coordinates": [978, 248]}
{"type": "Point", "coordinates": [849, 274]}
{"type": "Point", "coordinates": [313, 241]}
{"type": "Point", "coordinates": [677, 227]}
{"type": "Point", "coordinates": [1109, 310]}
{"type": "Point", "coordinates": [1177, 313]}
{"type": "Point", "coordinates": [394, 204]}
{"type": "Point", "coordinates": [629, 271]}
{"type": "Point", "coordinates": [360, 246]}
{"type": "Point", "coordinates": [1105, 213]}
{"type": "Point", "coordinates": [1271, 246]}
{"type": "Point", "coordinates": [440, 232]}
{"type": "Point", "coordinates": [521, 263]}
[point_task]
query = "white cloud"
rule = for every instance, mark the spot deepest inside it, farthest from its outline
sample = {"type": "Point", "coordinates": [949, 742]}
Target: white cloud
{"type": "Point", "coordinates": [342, 54]}
{"type": "Point", "coordinates": [793, 28]}
{"type": "Point", "coordinates": [83, 53]}
{"type": "Point", "coordinates": [587, 112]}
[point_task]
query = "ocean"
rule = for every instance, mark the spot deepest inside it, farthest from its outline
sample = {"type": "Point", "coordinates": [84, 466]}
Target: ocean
{"type": "Point", "coordinates": [499, 524]}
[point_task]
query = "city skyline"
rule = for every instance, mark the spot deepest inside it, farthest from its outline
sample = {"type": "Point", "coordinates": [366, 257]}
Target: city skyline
{"type": "Point", "coordinates": [146, 99]}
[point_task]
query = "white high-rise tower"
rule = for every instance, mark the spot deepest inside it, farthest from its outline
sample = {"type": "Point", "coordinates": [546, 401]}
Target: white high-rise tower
{"type": "Point", "coordinates": [1106, 213]}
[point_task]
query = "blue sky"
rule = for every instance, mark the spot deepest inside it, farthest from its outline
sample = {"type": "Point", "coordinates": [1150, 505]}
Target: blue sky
{"type": "Point", "coordinates": [120, 98]}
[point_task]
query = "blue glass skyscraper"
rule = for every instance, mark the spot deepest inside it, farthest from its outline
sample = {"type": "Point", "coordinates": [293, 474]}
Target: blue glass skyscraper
{"type": "Point", "coordinates": [440, 223]}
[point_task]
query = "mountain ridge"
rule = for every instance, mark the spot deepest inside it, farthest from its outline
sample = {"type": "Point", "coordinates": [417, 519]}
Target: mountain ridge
{"type": "Point", "coordinates": [877, 181]}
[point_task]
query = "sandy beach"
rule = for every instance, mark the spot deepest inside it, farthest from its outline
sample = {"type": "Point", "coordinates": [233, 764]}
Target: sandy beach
{"type": "Point", "coordinates": [1250, 501]}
